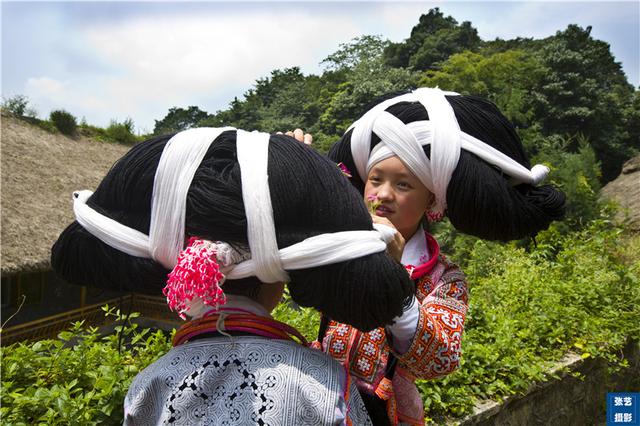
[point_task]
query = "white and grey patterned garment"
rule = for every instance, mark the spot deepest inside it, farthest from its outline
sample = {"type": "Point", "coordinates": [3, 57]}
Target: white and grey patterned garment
{"type": "Point", "coordinates": [253, 380]}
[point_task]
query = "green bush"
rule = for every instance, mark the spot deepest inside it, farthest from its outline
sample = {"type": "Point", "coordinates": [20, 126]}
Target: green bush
{"type": "Point", "coordinates": [577, 173]}
{"type": "Point", "coordinates": [89, 131]}
{"type": "Point", "coordinates": [576, 292]}
{"type": "Point", "coordinates": [46, 125]}
{"type": "Point", "coordinates": [121, 132]}
{"type": "Point", "coordinates": [64, 121]}
{"type": "Point", "coordinates": [16, 105]}
{"type": "Point", "coordinates": [571, 292]}
{"type": "Point", "coordinates": [80, 379]}
{"type": "Point", "coordinates": [305, 320]}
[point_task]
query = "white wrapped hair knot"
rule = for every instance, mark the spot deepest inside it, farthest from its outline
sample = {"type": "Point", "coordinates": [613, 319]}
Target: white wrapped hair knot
{"type": "Point", "coordinates": [441, 132]}
{"type": "Point", "coordinates": [178, 163]}
{"type": "Point", "coordinates": [539, 173]}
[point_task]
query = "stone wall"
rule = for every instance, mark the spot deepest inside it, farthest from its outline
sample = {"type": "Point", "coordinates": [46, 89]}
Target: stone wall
{"type": "Point", "coordinates": [625, 190]}
{"type": "Point", "coordinates": [577, 397]}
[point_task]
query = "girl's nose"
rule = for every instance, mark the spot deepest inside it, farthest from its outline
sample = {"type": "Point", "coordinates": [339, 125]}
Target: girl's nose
{"type": "Point", "coordinates": [384, 192]}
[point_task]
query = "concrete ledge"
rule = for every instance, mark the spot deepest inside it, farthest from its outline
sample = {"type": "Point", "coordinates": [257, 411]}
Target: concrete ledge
{"type": "Point", "coordinates": [576, 397]}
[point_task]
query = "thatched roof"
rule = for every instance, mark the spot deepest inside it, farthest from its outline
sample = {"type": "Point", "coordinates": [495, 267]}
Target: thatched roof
{"type": "Point", "coordinates": [40, 171]}
{"type": "Point", "coordinates": [625, 190]}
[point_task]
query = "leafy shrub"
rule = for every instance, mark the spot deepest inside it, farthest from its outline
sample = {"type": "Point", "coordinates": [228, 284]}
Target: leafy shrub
{"type": "Point", "coordinates": [576, 291]}
{"type": "Point", "coordinates": [572, 292]}
{"type": "Point", "coordinates": [90, 131]}
{"type": "Point", "coordinates": [16, 105]}
{"type": "Point", "coordinates": [577, 172]}
{"type": "Point", "coordinates": [46, 125]}
{"type": "Point", "coordinates": [305, 320]}
{"type": "Point", "coordinates": [82, 378]}
{"type": "Point", "coordinates": [64, 121]}
{"type": "Point", "coordinates": [121, 132]}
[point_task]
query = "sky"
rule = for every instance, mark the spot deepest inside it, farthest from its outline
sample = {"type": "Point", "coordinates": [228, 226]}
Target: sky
{"type": "Point", "coordinates": [112, 60]}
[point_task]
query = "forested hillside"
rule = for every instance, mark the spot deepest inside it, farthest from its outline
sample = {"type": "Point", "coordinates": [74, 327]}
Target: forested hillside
{"type": "Point", "coordinates": [563, 92]}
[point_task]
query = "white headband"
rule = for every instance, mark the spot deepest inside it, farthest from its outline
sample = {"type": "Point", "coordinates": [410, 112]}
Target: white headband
{"type": "Point", "coordinates": [180, 159]}
{"type": "Point", "coordinates": [441, 131]}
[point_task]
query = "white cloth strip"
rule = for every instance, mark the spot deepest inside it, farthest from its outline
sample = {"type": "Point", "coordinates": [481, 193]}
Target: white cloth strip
{"type": "Point", "coordinates": [253, 153]}
{"type": "Point", "coordinates": [324, 249]}
{"type": "Point", "coordinates": [445, 145]}
{"type": "Point", "coordinates": [315, 251]}
{"type": "Point", "coordinates": [107, 230]}
{"type": "Point", "coordinates": [180, 159]}
{"type": "Point", "coordinates": [362, 128]}
{"type": "Point", "coordinates": [510, 167]}
{"type": "Point", "coordinates": [379, 153]}
{"type": "Point", "coordinates": [398, 138]}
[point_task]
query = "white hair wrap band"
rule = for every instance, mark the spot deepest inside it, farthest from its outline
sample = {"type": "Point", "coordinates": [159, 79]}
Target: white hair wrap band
{"type": "Point", "coordinates": [253, 154]}
{"type": "Point", "coordinates": [178, 164]}
{"type": "Point", "coordinates": [397, 137]}
{"type": "Point", "coordinates": [324, 249]}
{"type": "Point", "coordinates": [441, 131]}
{"type": "Point", "coordinates": [445, 143]}
{"type": "Point", "coordinates": [107, 230]}
{"type": "Point", "coordinates": [179, 161]}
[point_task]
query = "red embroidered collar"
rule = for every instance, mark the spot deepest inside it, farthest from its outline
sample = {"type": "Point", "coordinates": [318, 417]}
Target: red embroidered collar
{"type": "Point", "coordinates": [420, 271]}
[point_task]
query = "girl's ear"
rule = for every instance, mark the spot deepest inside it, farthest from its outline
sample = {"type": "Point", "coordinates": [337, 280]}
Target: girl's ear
{"type": "Point", "coordinates": [430, 202]}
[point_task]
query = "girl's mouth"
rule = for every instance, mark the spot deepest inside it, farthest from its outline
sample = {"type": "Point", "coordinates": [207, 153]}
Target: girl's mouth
{"type": "Point", "coordinates": [383, 211]}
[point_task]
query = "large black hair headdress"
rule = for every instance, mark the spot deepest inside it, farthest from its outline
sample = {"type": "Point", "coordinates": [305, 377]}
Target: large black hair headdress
{"type": "Point", "coordinates": [273, 208]}
{"type": "Point", "coordinates": [465, 152]}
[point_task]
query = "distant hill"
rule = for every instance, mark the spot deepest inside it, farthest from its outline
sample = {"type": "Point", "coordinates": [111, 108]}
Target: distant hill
{"type": "Point", "coordinates": [40, 171]}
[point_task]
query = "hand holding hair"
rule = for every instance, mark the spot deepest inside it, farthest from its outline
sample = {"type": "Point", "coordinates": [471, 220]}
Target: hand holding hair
{"type": "Point", "coordinates": [395, 247]}
{"type": "Point", "coordinates": [300, 136]}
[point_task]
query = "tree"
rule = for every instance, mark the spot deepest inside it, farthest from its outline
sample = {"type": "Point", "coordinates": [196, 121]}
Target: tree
{"type": "Point", "coordinates": [240, 114]}
{"type": "Point", "coordinates": [178, 119]}
{"type": "Point", "coordinates": [18, 105]}
{"type": "Point", "coordinates": [432, 40]}
{"type": "Point", "coordinates": [584, 91]}
{"type": "Point", "coordinates": [267, 89]}
{"type": "Point", "coordinates": [366, 78]}
{"type": "Point", "coordinates": [442, 44]}
{"type": "Point", "coordinates": [360, 49]}
{"type": "Point", "coordinates": [277, 103]}
{"type": "Point", "coordinates": [631, 123]}
{"type": "Point", "coordinates": [507, 78]}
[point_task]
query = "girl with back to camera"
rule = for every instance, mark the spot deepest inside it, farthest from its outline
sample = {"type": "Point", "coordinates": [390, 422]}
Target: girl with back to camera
{"type": "Point", "coordinates": [229, 216]}
{"type": "Point", "coordinates": [416, 158]}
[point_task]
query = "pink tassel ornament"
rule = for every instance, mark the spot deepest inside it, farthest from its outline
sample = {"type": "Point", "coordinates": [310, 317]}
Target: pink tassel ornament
{"type": "Point", "coordinates": [196, 275]}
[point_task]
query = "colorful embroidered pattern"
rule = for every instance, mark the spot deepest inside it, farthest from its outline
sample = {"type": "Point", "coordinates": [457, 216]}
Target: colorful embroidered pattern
{"type": "Point", "coordinates": [440, 325]}
{"type": "Point", "coordinates": [434, 351]}
{"type": "Point", "coordinates": [337, 340]}
{"type": "Point", "coordinates": [369, 354]}
{"type": "Point", "coordinates": [385, 389]}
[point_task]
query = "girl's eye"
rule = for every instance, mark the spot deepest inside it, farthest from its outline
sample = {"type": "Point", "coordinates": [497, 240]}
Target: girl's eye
{"type": "Point", "coordinates": [374, 179]}
{"type": "Point", "coordinates": [404, 185]}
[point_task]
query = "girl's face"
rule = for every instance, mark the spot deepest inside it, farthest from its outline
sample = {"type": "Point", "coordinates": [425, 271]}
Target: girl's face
{"type": "Point", "coordinates": [403, 198]}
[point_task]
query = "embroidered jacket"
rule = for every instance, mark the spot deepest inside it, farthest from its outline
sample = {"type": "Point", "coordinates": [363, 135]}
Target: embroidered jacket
{"type": "Point", "coordinates": [243, 379]}
{"type": "Point", "coordinates": [434, 351]}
